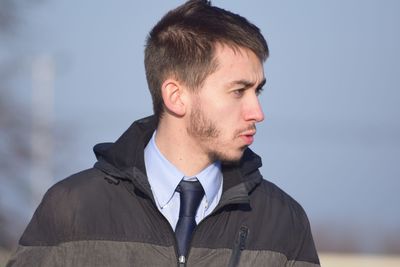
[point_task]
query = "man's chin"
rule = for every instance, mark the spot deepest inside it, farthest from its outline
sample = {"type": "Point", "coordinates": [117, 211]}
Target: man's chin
{"type": "Point", "coordinates": [229, 159]}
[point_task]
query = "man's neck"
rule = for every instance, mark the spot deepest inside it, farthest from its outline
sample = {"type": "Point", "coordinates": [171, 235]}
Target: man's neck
{"type": "Point", "coordinates": [182, 151]}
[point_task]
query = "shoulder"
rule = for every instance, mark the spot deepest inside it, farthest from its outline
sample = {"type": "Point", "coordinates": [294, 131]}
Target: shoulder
{"type": "Point", "coordinates": [65, 207]}
{"type": "Point", "coordinates": [279, 198]}
{"type": "Point", "coordinates": [279, 209]}
{"type": "Point", "coordinates": [82, 185]}
{"type": "Point", "coordinates": [283, 220]}
{"type": "Point", "coordinates": [73, 192]}
{"type": "Point", "coordinates": [83, 178]}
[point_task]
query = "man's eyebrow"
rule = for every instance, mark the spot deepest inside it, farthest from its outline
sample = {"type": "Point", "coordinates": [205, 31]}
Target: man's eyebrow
{"type": "Point", "coordinates": [246, 83]}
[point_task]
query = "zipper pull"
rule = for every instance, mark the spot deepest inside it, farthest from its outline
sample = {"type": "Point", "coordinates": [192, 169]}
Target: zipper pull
{"type": "Point", "coordinates": [244, 231]}
{"type": "Point", "coordinates": [182, 261]}
{"type": "Point", "coordinates": [239, 246]}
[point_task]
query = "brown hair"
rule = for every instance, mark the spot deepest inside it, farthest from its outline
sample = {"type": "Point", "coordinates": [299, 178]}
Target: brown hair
{"type": "Point", "coordinates": [182, 45]}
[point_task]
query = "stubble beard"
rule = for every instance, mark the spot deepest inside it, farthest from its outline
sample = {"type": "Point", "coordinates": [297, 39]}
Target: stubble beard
{"type": "Point", "coordinates": [206, 132]}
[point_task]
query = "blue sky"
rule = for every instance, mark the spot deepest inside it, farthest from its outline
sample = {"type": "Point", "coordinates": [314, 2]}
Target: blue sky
{"type": "Point", "coordinates": [331, 137]}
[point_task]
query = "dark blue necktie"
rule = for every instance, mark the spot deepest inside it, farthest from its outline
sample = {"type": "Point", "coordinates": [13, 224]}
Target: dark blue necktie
{"type": "Point", "coordinates": [191, 194]}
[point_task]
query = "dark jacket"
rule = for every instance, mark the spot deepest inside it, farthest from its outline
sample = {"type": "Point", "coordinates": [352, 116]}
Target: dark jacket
{"type": "Point", "coordinates": [106, 216]}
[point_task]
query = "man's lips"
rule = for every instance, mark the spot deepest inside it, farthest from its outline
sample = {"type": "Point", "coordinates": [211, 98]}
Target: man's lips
{"type": "Point", "coordinates": [248, 137]}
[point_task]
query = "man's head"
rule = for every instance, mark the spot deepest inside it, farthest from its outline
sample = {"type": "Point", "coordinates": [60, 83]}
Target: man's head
{"type": "Point", "coordinates": [183, 44]}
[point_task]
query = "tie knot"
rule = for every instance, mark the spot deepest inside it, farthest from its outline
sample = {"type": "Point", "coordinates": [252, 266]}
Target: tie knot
{"type": "Point", "coordinates": [186, 186]}
{"type": "Point", "coordinates": [191, 194]}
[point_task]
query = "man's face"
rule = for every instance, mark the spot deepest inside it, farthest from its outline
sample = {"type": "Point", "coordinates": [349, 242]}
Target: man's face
{"type": "Point", "coordinates": [224, 112]}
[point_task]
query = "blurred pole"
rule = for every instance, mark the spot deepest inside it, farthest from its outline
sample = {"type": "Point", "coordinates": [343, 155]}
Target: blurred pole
{"type": "Point", "coordinates": [43, 73]}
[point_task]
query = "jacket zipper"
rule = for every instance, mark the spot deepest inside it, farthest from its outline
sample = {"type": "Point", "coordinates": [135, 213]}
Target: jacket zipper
{"type": "Point", "coordinates": [239, 246]}
{"type": "Point", "coordinates": [180, 262]}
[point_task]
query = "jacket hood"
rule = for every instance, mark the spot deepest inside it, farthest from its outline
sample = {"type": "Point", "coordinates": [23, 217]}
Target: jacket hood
{"type": "Point", "coordinates": [124, 159]}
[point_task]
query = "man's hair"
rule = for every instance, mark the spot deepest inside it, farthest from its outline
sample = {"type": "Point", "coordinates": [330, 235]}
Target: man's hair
{"type": "Point", "coordinates": [182, 45]}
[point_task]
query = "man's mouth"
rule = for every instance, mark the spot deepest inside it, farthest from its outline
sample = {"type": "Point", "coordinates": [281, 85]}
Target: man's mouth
{"type": "Point", "coordinates": [248, 136]}
{"type": "Point", "coordinates": [248, 139]}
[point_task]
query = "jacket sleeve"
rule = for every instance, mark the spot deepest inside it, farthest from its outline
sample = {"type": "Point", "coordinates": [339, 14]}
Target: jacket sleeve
{"type": "Point", "coordinates": [305, 252]}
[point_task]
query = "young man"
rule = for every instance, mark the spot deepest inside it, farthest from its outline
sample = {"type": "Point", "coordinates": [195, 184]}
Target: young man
{"type": "Point", "coordinates": [180, 187]}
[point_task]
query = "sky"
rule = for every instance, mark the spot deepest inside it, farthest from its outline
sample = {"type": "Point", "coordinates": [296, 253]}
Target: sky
{"type": "Point", "coordinates": [331, 137]}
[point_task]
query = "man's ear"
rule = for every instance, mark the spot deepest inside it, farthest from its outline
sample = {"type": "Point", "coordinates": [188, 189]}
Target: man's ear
{"type": "Point", "coordinates": [172, 93]}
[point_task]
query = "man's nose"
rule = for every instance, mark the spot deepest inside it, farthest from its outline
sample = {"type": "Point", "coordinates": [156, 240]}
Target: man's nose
{"type": "Point", "coordinates": [254, 111]}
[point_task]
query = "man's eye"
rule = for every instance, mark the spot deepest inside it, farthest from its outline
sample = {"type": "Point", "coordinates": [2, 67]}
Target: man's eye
{"type": "Point", "coordinates": [238, 92]}
{"type": "Point", "coordinates": [259, 91]}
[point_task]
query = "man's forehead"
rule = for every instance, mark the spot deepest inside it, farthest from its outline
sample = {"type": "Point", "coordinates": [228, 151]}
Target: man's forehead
{"type": "Point", "coordinates": [224, 48]}
{"type": "Point", "coordinates": [231, 55]}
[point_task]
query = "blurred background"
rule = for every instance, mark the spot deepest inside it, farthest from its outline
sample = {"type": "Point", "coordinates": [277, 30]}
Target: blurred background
{"type": "Point", "coordinates": [72, 75]}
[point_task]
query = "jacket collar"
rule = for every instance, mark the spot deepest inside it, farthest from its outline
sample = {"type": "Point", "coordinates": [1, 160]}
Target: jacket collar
{"type": "Point", "coordinates": [124, 160]}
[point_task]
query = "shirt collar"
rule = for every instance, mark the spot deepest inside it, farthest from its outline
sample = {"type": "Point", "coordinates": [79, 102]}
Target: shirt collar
{"type": "Point", "coordinates": [164, 177]}
{"type": "Point", "coordinates": [210, 179]}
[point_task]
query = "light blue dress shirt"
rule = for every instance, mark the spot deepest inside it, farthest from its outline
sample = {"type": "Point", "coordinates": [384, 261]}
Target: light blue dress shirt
{"type": "Point", "coordinates": [164, 177]}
